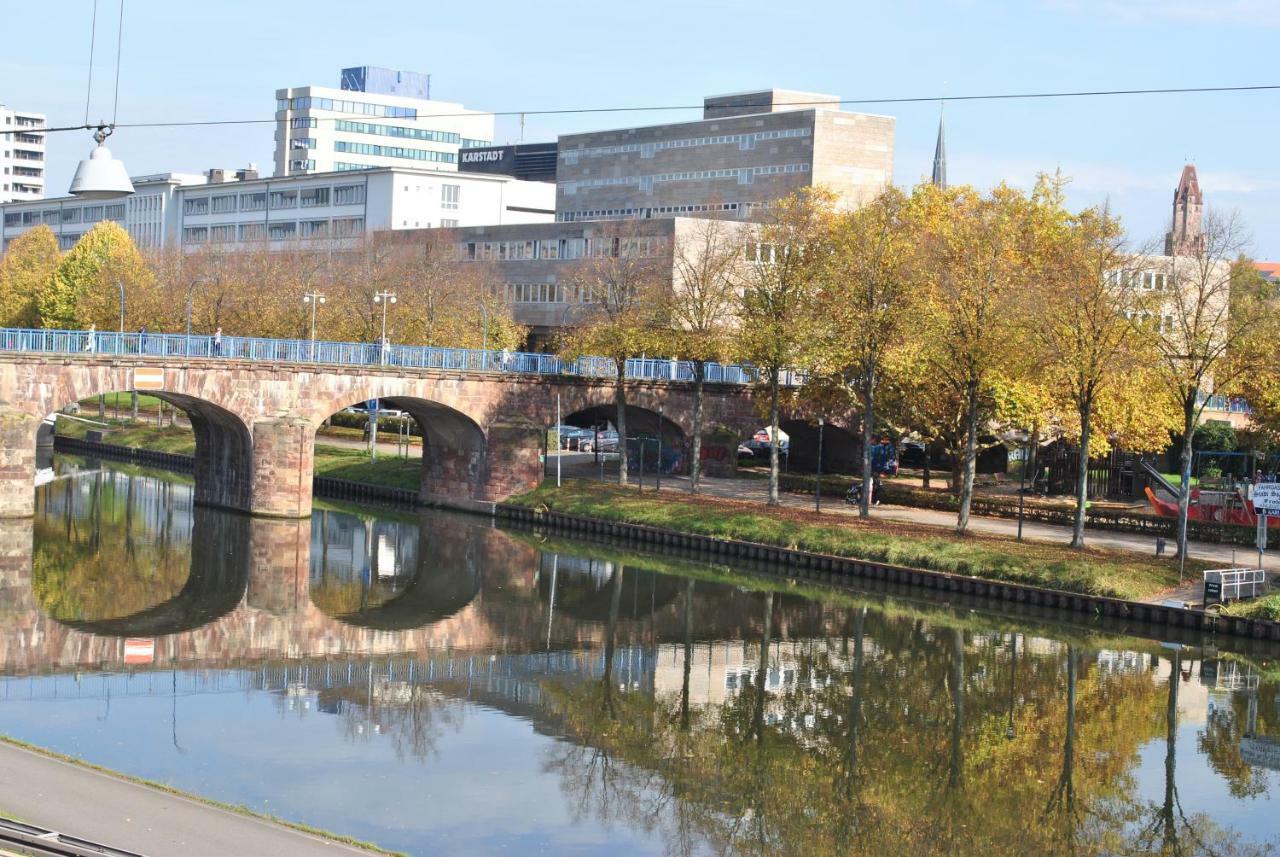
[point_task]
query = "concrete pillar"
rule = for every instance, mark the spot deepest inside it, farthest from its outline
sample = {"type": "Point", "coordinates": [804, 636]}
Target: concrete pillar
{"type": "Point", "coordinates": [283, 467]}
{"type": "Point", "coordinates": [513, 463]}
{"type": "Point", "coordinates": [17, 463]}
{"type": "Point", "coordinates": [279, 565]}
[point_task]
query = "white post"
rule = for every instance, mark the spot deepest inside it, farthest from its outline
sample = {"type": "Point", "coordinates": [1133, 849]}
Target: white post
{"type": "Point", "coordinates": [557, 440]}
{"type": "Point", "coordinates": [1262, 536]}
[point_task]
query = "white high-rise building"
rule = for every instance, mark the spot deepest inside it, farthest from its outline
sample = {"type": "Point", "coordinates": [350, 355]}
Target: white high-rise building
{"type": "Point", "coordinates": [379, 118]}
{"type": "Point", "coordinates": [21, 155]}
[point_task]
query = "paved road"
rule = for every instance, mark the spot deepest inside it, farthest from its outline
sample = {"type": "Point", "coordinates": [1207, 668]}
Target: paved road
{"type": "Point", "coordinates": [112, 811]}
{"type": "Point", "coordinates": [756, 489]}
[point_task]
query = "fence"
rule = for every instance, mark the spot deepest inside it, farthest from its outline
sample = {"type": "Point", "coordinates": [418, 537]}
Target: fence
{"type": "Point", "coordinates": [1236, 583]}
{"type": "Point", "coordinates": [365, 354]}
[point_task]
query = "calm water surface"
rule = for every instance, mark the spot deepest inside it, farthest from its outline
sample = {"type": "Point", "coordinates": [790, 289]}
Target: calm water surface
{"type": "Point", "coordinates": [438, 686]}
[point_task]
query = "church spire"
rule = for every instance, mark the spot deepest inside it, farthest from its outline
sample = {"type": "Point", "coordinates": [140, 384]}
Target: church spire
{"type": "Point", "coordinates": [940, 153]}
{"type": "Point", "coordinates": [1184, 238]}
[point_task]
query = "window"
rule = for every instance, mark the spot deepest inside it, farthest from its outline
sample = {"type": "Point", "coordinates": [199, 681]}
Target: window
{"type": "Point", "coordinates": [223, 204]}
{"type": "Point", "coordinates": [195, 235]}
{"type": "Point", "coordinates": [253, 201]}
{"type": "Point", "coordinates": [284, 199]}
{"type": "Point", "coordinates": [67, 241]}
{"type": "Point", "coordinates": [341, 105]}
{"type": "Point", "coordinates": [92, 213]}
{"type": "Point", "coordinates": [302, 122]}
{"type": "Point", "coordinates": [394, 152]}
{"type": "Point", "coordinates": [348, 194]}
{"type": "Point", "coordinates": [449, 194]}
{"type": "Point", "coordinates": [51, 216]}
{"type": "Point", "coordinates": [30, 218]}
{"type": "Point", "coordinates": [448, 223]}
{"type": "Point", "coordinates": [13, 218]}
{"type": "Point", "coordinates": [114, 212]}
{"type": "Point", "coordinates": [302, 164]}
{"type": "Point", "coordinates": [475, 144]}
{"type": "Point", "coordinates": [280, 231]}
{"type": "Point", "coordinates": [346, 227]}
{"type": "Point", "coordinates": [302, 143]}
{"type": "Point", "coordinates": [70, 215]}
{"type": "Point", "coordinates": [253, 231]}
{"type": "Point", "coordinates": [223, 233]}
{"type": "Point", "coordinates": [315, 196]}
{"type": "Point", "coordinates": [314, 229]}
{"type": "Point", "coordinates": [395, 131]}
{"type": "Point", "coordinates": [196, 205]}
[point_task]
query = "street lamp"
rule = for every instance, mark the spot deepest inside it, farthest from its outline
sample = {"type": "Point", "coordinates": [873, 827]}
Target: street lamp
{"type": "Point", "coordinates": [384, 298]}
{"type": "Point", "coordinates": [1023, 437]}
{"type": "Point", "coordinates": [817, 486]}
{"type": "Point", "coordinates": [484, 342]}
{"type": "Point", "coordinates": [315, 299]}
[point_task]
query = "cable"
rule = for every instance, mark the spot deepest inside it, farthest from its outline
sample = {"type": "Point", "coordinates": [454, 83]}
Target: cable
{"type": "Point", "coordinates": [93, 38]}
{"type": "Point", "coordinates": [668, 107]}
{"type": "Point", "coordinates": [115, 104]}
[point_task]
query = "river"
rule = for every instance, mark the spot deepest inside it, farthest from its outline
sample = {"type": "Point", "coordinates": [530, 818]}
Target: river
{"type": "Point", "coordinates": [436, 685]}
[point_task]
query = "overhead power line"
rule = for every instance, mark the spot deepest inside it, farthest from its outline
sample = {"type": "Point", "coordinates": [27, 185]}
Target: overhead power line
{"type": "Point", "coordinates": [843, 102]}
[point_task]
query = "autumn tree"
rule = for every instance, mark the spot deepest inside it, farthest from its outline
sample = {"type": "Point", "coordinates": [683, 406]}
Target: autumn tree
{"type": "Point", "coordinates": [779, 281]}
{"type": "Point", "coordinates": [625, 290]}
{"type": "Point", "coordinates": [702, 308]}
{"type": "Point", "coordinates": [862, 306]}
{"type": "Point", "coordinates": [85, 288]}
{"type": "Point", "coordinates": [1201, 313]}
{"type": "Point", "coordinates": [1078, 319]}
{"type": "Point", "coordinates": [26, 271]}
{"type": "Point", "coordinates": [975, 258]}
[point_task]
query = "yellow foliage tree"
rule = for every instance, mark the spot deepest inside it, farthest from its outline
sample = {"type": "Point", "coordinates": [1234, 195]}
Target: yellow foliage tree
{"type": "Point", "coordinates": [26, 271]}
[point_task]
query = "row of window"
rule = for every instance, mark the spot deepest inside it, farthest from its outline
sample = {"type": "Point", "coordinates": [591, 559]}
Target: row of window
{"type": "Point", "coordinates": [744, 175]}
{"type": "Point", "coordinates": [543, 293]}
{"type": "Point", "coordinates": [28, 138]}
{"type": "Point", "coordinates": [302, 164]}
{"type": "Point", "coordinates": [1147, 281]}
{"type": "Point", "coordinates": [311, 197]}
{"type": "Point", "coordinates": [57, 216]}
{"type": "Point", "coordinates": [646, 150]}
{"type": "Point", "coordinates": [394, 152]}
{"type": "Point", "coordinates": [396, 131]}
{"type": "Point", "coordinates": [228, 233]}
{"type": "Point", "coordinates": [342, 105]}
{"type": "Point", "coordinates": [560, 248]}
{"type": "Point", "coordinates": [654, 211]}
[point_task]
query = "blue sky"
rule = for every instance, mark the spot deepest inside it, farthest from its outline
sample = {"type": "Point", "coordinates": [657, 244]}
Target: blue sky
{"type": "Point", "coordinates": [199, 61]}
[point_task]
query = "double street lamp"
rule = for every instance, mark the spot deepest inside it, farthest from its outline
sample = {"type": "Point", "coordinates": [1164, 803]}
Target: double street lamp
{"type": "Point", "coordinates": [314, 299]}
{"type": "Point", "coordinates": [384, 298]}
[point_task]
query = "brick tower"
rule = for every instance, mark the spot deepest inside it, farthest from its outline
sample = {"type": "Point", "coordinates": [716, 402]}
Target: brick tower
{"type": "Point", "coordinates": [1185, 237]}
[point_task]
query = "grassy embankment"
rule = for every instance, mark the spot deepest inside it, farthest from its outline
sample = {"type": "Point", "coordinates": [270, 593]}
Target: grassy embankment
{"type": "Point", "coordinates": [347, 463]}
{"type": "Point", "coordinates": [1094, 572]}
{"type": "Point", "coordinates": [1267, 607]}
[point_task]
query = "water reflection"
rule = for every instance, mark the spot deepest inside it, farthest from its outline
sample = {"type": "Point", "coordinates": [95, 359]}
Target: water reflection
{"type": "Point", "coordinates": [557, 696]}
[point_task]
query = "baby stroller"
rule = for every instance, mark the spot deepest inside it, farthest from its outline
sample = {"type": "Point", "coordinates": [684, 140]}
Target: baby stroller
{"type": "Point", "coordinates": [854, 497]}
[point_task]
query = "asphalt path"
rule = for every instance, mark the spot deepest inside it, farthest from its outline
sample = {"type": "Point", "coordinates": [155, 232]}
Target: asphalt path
{"type": "Point", "coordinates": [82, 802]}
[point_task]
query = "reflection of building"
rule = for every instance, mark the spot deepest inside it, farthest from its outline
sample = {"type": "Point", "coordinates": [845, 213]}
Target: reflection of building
{"type": "Point", "coordinates": [355, 549]}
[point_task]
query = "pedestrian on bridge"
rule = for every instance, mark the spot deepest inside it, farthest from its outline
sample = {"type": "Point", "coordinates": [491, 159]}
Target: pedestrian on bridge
{"type": "Point", "coordinates": [90, 339]}
{"type": "Point", "coordinates": [386, 351]}
{"type": "Point", "coordinates": [217, 341]}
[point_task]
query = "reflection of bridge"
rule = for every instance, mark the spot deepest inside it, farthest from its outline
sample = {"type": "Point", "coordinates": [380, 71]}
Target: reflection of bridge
{"type": "Point", "coordinates": [255, 410]}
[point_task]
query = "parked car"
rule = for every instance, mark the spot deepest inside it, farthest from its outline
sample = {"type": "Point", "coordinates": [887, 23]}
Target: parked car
{"type": "Point", "coordinates": [573, 437]}
{"type": "Point", "coordinates": [745, 451]}
{"type": "Point", "coordinates": [608, 441]}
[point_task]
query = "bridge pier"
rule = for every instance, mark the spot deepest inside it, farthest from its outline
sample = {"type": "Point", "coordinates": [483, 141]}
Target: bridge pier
{"type": "Point", "coordinates": [473, 477]}
{"type": "Point", "coordinates": [17, 463]}
{"type": "Point", "coordinates": [283, 467]}
{"type": "Point", "coordinates": [279, 565]}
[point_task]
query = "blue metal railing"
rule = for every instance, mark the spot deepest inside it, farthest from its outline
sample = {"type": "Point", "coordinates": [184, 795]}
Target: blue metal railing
{"type": "Point", "coordinates": [361, 354]}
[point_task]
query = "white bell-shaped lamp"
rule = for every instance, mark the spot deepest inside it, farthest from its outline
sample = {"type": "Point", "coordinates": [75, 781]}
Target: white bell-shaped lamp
{"type": "Point", "coordinates": [101, 176]}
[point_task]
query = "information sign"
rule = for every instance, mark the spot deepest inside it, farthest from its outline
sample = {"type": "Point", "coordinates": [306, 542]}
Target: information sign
{"type": "Point", "coordinates": [1266, 497]}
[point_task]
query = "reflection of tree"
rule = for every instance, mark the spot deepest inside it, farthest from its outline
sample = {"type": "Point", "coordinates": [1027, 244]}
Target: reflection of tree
{"type": "Point", "coordinates": [413, 716]}
{"type": "Point", "coordinates": [892, 740]}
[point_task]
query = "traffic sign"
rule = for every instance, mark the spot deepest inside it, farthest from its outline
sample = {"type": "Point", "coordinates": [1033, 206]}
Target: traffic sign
{"type": "Point", "coordinates": [148, 378]}
{"type": "Point", "coordinates": [1266, 497]}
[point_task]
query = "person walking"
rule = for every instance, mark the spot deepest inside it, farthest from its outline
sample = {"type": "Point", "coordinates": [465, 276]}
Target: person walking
{"type": "Point", "coordinates": [386, 351]}
{"type": "Point", "coordinates": [142, 339]}
{"type": "Point", "coordinates": [217, 342]}
{"type": "Point", "coordinates": [90, 339]}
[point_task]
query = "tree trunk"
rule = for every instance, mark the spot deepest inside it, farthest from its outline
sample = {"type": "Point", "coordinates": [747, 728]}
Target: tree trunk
{"type": "Point", "coordinates": [133, 395]}
{"type": "Point", "coordinates": [928, 454]}
{"type": "Point", "coordinates": [868, 417]}
{"type": "Point", "coordinates": [1184, 492]}
{"type": "Point", "coordinates": [773, 439]}
{"type": "Point", "coordinates": [762, 674]}
{"type": "Point", "coordinates": [955, 769]}
{"type": "Point", "coordinates": [688, 655]}
{"type": "Point", "coordinates": [620, 401]}
{"type": "Point", "coordinates": [1085, 406]}
{"type": "Point", "coordinates": [695, 459]}
{"type": "Point", "coordinates": [970, 458]}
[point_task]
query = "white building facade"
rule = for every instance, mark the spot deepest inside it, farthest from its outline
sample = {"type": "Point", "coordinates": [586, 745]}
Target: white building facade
{"type": "Point", "coordinates": [383, 124]}
{"type": "Point", "coordinates": [222, 206]}
{"type": "Point", "coordinates": [21, 155]}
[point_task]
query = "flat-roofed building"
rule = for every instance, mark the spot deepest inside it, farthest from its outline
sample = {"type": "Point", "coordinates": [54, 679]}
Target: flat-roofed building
{"type": "Point", "coordinates": [748, 150]}
{"type": "Point", "coordinates": [21, 154]}
{"type": "Point", "coordinates": [379, 118]}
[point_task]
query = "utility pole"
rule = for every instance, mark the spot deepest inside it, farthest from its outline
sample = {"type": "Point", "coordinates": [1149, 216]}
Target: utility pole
{"type": "Point", "coordinates": [484, 328]}
{"type": "Point", "coordinates": [817, 483]}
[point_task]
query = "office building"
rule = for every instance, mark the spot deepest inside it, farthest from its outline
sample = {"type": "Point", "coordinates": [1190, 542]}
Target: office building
{"type": "Point", "coordinates": [21, 155]}
{"type": "Point", "coordinates": [748, 150]}
{"type": "Point", "coordinates": [379, 118]}
{"type": "Point", "coordinates": [346, 205]}
{"type": "Point", "coordinates": [234, 206]}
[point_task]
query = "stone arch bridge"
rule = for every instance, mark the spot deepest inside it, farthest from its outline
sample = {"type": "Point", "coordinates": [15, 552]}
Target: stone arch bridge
{"type": "Point", "coordinates": [255, 422]}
